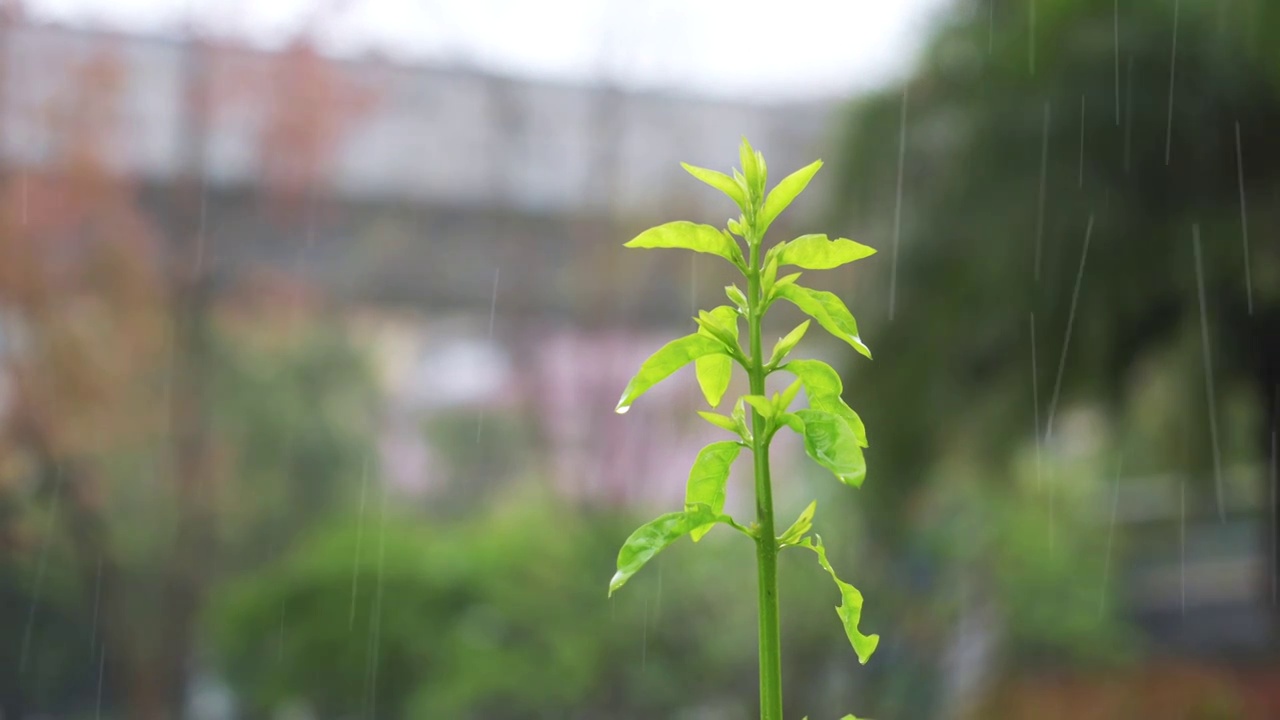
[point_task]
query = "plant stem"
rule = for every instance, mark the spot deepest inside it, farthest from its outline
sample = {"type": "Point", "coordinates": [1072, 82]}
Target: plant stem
{"type": "Point", "coordinates": [766, 544]}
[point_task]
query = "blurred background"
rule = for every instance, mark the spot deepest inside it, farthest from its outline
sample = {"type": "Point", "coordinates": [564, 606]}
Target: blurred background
{"type": "Point", "coordinates": [313, 315]}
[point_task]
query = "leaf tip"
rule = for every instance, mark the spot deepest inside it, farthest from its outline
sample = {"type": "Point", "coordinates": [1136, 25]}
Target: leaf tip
{"type": "Point", "coordinates": [616, 582]}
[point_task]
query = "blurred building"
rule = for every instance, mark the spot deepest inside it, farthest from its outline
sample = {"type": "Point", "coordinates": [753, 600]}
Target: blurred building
{"type": "Point", "coordinates": [472, 223]}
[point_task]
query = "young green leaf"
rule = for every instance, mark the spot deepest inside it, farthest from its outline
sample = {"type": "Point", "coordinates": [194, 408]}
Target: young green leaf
{"type": "Point", "coordinates": [691, 236]}
{"type": "Point", "coordinates": [792, 421]}
{"type": "Point", "coordinates": [823, 387]}
{"type": "Point", "coordinates": [786, 280]}
{"type": "Point", "coordinates": [715, 371]}
{"type": "Point", "coordinates": [739, 416]}
{"type": "Point", "coordinates": [650, 539]}
{"type": "Point", "coordinates": [721, 421]}
{"type": "Point", "coordinates": [768, 274]}
{"type": "Point", "coordinates": [707, 480]}
{"type": "Point", "coordinates": [750, 167]}
{"type": "Point", "coordinates": [761, 404]}
{"type": "Point", "coordinates": [707, 326]}
{"type": "Point", "coordinates": [828, 310]}
{"type": "Point", "coordinates": [723, 318]}
{"type": "Point", "coordinates": [787, 343]}
{"type": "Point", "coordinates": [737, 297]}
{"type": "Point", "coordinates": [788, 395]}
{"type": "Point", "coordinates": [816, 252]}
{"type": "Point", "coordinates": [800, 527]}
{"type": "Point", "coordinates": [719, 181]}
{"type": "Point", "coordinates": [786, 191]}
{"type": "Point", "coordinates": [670, 358]}
{"type": "Point", "coordinates": [850, 608]}
{"type": "Point", "coordinates": [735, 227]}
{"type": "Point", "coordinates": [832, 444]}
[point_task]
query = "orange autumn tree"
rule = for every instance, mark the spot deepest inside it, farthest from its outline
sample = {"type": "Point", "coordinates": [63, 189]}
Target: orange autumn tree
{"type": "Point", "coordinates": [108, 321]}
{"type": "Point", "coordinates": [83, 291]}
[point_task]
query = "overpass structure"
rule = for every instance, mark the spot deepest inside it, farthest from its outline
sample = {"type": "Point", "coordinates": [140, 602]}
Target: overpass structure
{"type": "Point", "coordinates": [420, 182]}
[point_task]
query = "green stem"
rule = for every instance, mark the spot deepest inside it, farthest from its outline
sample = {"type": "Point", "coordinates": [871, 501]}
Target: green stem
{"type": "Point", "coordinates": [766, 543]}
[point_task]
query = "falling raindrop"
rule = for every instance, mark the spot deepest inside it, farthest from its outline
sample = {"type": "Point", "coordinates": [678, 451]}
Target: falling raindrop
{"type": "Point", "coordinates": [1071, 318]}
{"type": "Point", "coordinates": [1044, 166]}
{"type": "Point", "coordinates": [991, 26]}
{"type": "Point", "coordinates": [1173, 60]}
{"type": "Point", "coordinates": [355, 562]}
{"type": "Point", "coordinates": [1081, 182]}
{"type": "Point", "coordinates": [693, 283]}
{"type": "Point", "coordinates": [97, 594]}
{"type": "Point", "coordinates": [1208, 375]}
{"type": "Point", "coordinates": [40, 568]}
{"type": "Point", "coordinates": [1106, 567]}
{"type": "Point", "coordinates": [1035, 401]}
{"type": "Point", "coordinates": [493, 301]}
{"type": "Point", "coordinates": [1116, 29]}
{"type": "Point", "coordinates": [1053, 487]}
{"type": "Point", "coordinates": [1274, 545]}
{"type": "Point", "coordinates": [1031, 38]}
{"type": "Point", "coordinates": [375, 619]}
{"type": "Point", "coordinates": [280, 636]}
{"type": "Point", "coordinates": [1182, 536]}
{"type": "Point", "coordinates": [1128, 114]}
{"type": "Point", "coordinates": [102, 661]}
{"type": "Point", "coordinates": [1244, 220]}
{"type": "Point", "coordinates": [493, 310]}
{"type": "Point", "coordinates": [657, 595]}
{"type": "Point", "coordinates": [644, 636]}
{"type": "Point", "coordinates": [897, 208]}
{"type": "Point", "coordinates": [200, 232]}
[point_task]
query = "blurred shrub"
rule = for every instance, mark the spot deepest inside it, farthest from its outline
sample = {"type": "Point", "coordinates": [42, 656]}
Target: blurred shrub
{"type": "Point", "coordinates": [506, 616]}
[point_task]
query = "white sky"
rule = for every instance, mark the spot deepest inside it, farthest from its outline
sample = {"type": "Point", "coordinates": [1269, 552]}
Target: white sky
{"type": "Point", "coordinates": [805, 48]}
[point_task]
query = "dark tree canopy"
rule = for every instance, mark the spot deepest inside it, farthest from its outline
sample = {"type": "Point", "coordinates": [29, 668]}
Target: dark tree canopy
{"type": "Point", "coordinates": [956, 358]}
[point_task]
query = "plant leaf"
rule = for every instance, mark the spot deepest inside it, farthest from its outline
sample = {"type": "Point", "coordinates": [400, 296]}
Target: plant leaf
{"type": "Point", "coordinates": [762, 169]}
{"type": "Point", "coordinates": [649, 539]}
{"type": "Point", "coordinates": [768, 274]}
{"type": "Point", "coordinates": [786, 191]}
{"type": "Point", "coordinates": [788, 395]}
{"type": "Point", "coordinates": [832, 444]}
{"type": "Point", "coordinates": [792, 421]}
{"type": "Point", "coordinates": [786, 280]}
{"type": "Point", "coordinates": [721, 421]}
{"type": "Point", "coordinates": [737, 297]}
{"type": "Point", "coordinates": [670, 358]}
{"type": "Point", "coordinates": [800, 527]}
{"type": "Point", "coordinates": [690, 236]}
{"type": "Point", "coordinates": [724, 318]}
{"type": "Point", "coordinates": [707, 480]}
{"type": "Point", "coordinates": [740, 416]}
{"type": "Point", "coordinates": [715, 371]}
{"type": "Point", "coordinates": [850, 608]}
{"type": "Point", "coordinates": [787, 343]}
{"type": "Point", "coordinates": [761, 404]}
{"type": "Point", "coordinates": [825, 392]}
{"type": "Point", "coordinates": [709, 327]}
{"type": "Point", "coordinates": [816, 252]}
{"type": "Point", "coordinates": [750, 160]}
{"type": "Point", "coordinates": [719, 181]}
{"type": "Point", "coordinates": [828, 310]}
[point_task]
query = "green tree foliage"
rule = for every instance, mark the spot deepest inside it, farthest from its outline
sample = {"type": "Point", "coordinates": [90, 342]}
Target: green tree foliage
{"type": "Point", "coordinates": [981, 251]}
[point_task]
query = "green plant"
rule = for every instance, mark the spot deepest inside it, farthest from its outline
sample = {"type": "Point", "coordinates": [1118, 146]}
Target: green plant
{"type": "Point", "coordinates": [834, 435]}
